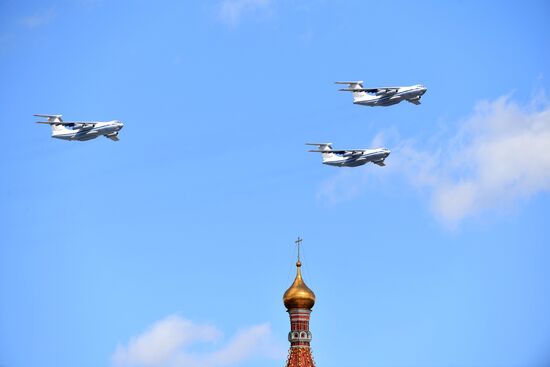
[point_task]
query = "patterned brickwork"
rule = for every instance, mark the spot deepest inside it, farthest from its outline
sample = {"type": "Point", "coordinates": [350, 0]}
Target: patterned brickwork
{"type": "Point", "coordinates": [300, 357]}
{"type": "Point", "coordinates": [299, 334]}
{"type": "Point", "coordinates": [299, 337]}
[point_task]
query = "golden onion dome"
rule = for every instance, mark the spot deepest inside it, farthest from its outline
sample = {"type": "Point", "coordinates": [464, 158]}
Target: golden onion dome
{"type": "Point", "coordinates": [299, 295]}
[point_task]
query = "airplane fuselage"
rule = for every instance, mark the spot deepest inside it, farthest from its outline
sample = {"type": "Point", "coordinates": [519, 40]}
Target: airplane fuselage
{"type": "Point", "coordinates": [412, 93]}
{"type": "Point", "coordinates": [88, 133]}
{"type": "Point", "coordinates": [354, 160]}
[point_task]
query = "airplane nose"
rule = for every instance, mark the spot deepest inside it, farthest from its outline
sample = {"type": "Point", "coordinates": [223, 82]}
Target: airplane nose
{"type": "Point", "coordinates": [120, 125]}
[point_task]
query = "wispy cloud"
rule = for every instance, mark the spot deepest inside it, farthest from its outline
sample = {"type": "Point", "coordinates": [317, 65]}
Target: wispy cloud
{"type": "Point", "coordinates": [38, 19]}
{"type": "Point", "coordinates": [168, 343]}
{"type": "Point", "coordinates": [498, 156]}
{"type": "Point", "coordinates": [232, 11]}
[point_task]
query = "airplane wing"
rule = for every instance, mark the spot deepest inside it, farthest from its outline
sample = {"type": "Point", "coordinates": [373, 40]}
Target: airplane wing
{"type": "Point", "coordinates": [387, 90]}
{"type": "Point", "coordinates": [337, 151]}
{"type": "Point", "coordinates": [113, 137]}
{"type": "Point", "coordinates": [82, 123]}
{"type": "Point", "coordinates": [414, 101]}
{"type": "Point", "coordinates": [380, 163]}
{"type": "Point", "coordinates": [357, 86]}
{"type": "Point", "coordinates": [68, 123]}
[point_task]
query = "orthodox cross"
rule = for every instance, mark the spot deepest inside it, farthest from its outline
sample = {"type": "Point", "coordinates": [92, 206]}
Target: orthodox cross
{"type": "Point", "coordinates": [298, 242]}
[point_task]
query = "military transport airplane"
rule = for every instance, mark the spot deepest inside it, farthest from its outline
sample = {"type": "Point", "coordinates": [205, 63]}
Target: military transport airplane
{"type": "Point", "coordinates": [384, 96]}
{"type": "Point", "coordinates": [350, 157]}
{"type": "Point", "coordinates": [81, 130]}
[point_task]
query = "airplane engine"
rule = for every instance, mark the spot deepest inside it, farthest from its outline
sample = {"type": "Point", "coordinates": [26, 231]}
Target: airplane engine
{"type": "Point", "coordinates": [381, 92]}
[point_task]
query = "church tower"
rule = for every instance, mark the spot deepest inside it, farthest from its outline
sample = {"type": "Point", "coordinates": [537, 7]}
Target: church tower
{"type": "Point", "coordinates": [299, 300]}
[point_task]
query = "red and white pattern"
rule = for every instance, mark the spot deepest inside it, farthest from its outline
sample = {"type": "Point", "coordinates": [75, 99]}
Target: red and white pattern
{"type": "Point", "coordinates": [299, 337]}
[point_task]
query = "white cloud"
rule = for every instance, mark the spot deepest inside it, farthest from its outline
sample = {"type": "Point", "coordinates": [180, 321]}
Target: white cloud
{"type": "Point", "coordinates": [38, 20]}
{"type": "Point", "coordinates": [168, 343]}
{"type": "Point", "coordinates": [499, 155]}
{"type": "Point", "coordinates": [231, 11]}
{"type": "Point", "coordinates": [502, 156]}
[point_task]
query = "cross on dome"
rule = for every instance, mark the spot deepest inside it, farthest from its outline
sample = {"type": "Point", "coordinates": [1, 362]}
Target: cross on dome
{"type": "Point", "coordinates": [299, 295]}
{"type": "Point", "coordinates": [298, 242]}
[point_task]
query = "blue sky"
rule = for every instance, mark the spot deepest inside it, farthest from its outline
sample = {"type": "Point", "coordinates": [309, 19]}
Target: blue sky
{"type": "Point", "coordinates": [173, 246]}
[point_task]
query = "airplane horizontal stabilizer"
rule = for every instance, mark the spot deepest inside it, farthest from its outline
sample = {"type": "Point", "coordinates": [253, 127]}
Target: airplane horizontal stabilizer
{"type": "Point", "coordinates": [350, 82]}
{"type": "Point", "coordinates": [47, 116]}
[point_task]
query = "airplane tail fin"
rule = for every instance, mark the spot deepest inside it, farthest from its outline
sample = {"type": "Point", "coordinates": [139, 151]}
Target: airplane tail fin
{"type": "Point", "coordinates": [325, 149]}
{"type": "Point", "coordinates": [56, 128]}
{"type": "Point", "coordinates": [54, 121]}
{"type": "Point", "coordinates": [355, 87]}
